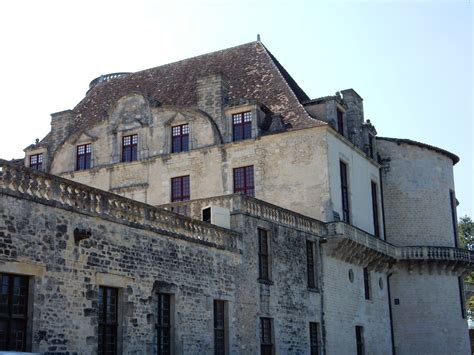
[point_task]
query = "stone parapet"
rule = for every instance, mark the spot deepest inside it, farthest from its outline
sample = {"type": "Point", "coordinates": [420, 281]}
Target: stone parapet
{"type": "Point", "coordinates": [49, 189]}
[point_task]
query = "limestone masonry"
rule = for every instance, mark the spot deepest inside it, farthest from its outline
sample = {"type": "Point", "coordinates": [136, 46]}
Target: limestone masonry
{"type": "Point", "coordinates": [209, 206]}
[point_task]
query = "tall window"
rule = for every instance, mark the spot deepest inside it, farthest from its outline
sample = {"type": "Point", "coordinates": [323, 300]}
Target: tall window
{"type": "Point", "coordinates": [452, 199]}
{"type": "Point", "coordinates": [13, 312]}
{"type": "Point", "coordinates": [462, 298]}
{"type": "Point", "coordinates": [180, 138]}
{"type": "Point", "coordinates": [367, 283]}
{"type": "Point", "coordinates": [180, 190]}
{"type": "Point", "coordinates": [83, 156]}
{"type": "Point", "coordinates": [344, 192]}
{"type": "Point", "coordinates": [375, 209]}
{"type": "Point", "coordinates": [263, 255]}
{"type": "Point", "coordinates": [242, 126]}
{"type": "Point", "coordinates": [130, 148]}
{"type": "Point", "coordinates": [360, 340]}
{"type": "Point", "coordinates": [371, 146]}
{"type": "Point", "coordinates": [311, 264]}
{"type": "Point", "coordinates": [244, 181]}
{"type": "Point", "coordinates": [314, 338]}
{"type": "Point", "coordinates": [36, 161]}
{"type": "Point", "coordinates": [108, 320]}
{"type": "Point", "coordinates": [340, 122]}
{"type": "Point", "coordinates": [219, 328]}
{"type": "Point", "coordinates": [266, 339]}
{"type": "Point", "coordinates": [163, 325]}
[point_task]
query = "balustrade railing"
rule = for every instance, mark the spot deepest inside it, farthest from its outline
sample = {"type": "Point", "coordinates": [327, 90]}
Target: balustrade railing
{"type": "Point", "coordinates": [15, 179]}
{"type": "Point", "coordinates": [106, 77]}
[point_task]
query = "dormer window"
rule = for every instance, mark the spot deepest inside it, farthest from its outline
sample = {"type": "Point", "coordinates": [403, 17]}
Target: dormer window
{"type": "Point", "coordinates": [242, 126]}
{"type": "Point", "coordinates": [83, 156]}
{"type": "Point", "coordinates": [129, 148]}
{"type": "Point", "coordinates": [340, 122]}
{"type": "Point", "coordinates": [36, 161]}
{"type": "Point", "coordinates": [180, 138]}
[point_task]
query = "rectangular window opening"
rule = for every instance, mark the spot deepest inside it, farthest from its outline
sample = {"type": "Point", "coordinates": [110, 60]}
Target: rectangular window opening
{"type": "Point", "coordinates": [163, 324]}
{"type": "Point", "coordinates": [340, 122]}
{"type": "Point", "coordinates": [83, 156]}
{"type": "Point", "coordinates": [244, 180]}
{"type": "Point", "coordinates": [266, 336]}
{"type": "Point", "coordinates": [367, 283]}
{"type": "Point", "coordinates": [180, 138]}
{"type": "Point", "coordinates": [180, 189]}
{"type": "Point", "coordinates": [108, 320]}
{"type": "Point", "coordinates": [36, 161]}
{"type": "Point", "coordinates": [263, 255]}
{"type": "Point", "coordinates": [375, 209]}
{"type": "Point", "coordinates": [130, 148]}
{"type": "Point", "coordinates": [219, 327]}
{"type": "Point", "coordinates": [360, 340]}
{"type": "Point", "coordinates": [242, 126]}
{"type": "Point", "coordinates": [311, 264]}
{"type": "Point", "coordinates": [315, 338]}
{"type": "Point", "coordinates": [13, 312]}
{"type": "Point", "coordinates": [344, 192]}
{"type": "Point", "coordinates": [452, 199]}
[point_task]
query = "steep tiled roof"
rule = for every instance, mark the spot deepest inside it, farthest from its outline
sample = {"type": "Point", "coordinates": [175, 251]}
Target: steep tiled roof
{"type": "Point", "coordinates": [251, 70]}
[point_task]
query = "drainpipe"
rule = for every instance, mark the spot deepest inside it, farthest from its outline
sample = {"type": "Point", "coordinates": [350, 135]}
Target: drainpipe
{"type": "Point", "coordinates": [392, 335]}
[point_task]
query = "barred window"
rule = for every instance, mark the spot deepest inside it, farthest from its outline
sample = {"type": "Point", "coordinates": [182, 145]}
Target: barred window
{"type": "Point", "coordinates": [83, 156]}
{"type": "Point", "coordinates": [180, 190]}
{"type": "Point", "coordinates": [244, 180]}
{"type": "Point", "coordinates": [263, 255]}
{"type": "Point", "coordinates": [36, 161]}
{"type": "Point", "coordinates": [219, 328]}
{"type": "Point", "coordinates": [242, 126]}
{"type": "Point", "coordinates": [266, 339]}
{"type": "Point", "coordinates": [180, 138]}
{"type": "Point", "coordinates": [163, 325]}
{"type": "Point", "coordinates": [130, 148]}
{"type": "Point", "coordinates": [13, 312]}
{"type": "Point", "coordinates": [314, 338]}
{"type": "Point", "coordinates": [108, 320]}
{"type": "Point", "coordinates": [311, 264]}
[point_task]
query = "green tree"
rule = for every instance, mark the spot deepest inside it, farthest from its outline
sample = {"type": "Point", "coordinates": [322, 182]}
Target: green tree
{"type": "Point", "coordinates": [466, 232]}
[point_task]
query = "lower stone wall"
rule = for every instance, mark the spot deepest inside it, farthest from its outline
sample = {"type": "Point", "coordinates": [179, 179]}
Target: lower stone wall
{"type": "Point", "coordinates": [427, 306]}
{"type": "Point", "coordinates": [38, 240]}
{"type": "Point", "coordinates": [346, 307]}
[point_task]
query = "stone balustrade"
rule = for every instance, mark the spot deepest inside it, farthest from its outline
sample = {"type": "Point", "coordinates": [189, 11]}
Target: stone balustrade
{"type": "Point", "coordinates": [24, 182]}
{"type": "Point", "coordinates": [435, 253]}
{"type": "Point", "coordinates": [106, 77]}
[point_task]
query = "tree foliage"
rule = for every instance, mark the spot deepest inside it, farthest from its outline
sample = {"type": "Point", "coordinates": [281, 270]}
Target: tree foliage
{"type": "Point", "coordinates": [466, 232]}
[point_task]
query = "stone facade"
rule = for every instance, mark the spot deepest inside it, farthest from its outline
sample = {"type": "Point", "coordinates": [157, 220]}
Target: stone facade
{"type": "Point", "coordinates": [292, 276]}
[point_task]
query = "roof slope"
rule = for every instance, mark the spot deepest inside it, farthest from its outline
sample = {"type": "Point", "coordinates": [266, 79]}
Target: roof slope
{"type": "Point", "coordinates": [251, 70]}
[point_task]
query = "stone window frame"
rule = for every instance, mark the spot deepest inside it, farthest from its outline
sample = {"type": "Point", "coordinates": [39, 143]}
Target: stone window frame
{"type": "Point", "coordinates": [312, 285]}
{"type": "Point", "coordinates": [246, 187]}
{"type": "Point", "coordinates": [120, 283]}
{"type": "Point", "coordinates": [105, 323]}
{"type": "Point", "coordinates": [268, 255]}
{"type": "Point", "coordinates": [130, 147]}
{"type": "Point", "coordinates": [167, 134]}
{"type": "Point", "coordinates": [347, 189]}
{"type": "Point", "coordinates": [31, 153]}
{"type": "Point", "coordinates": [366, 275]}
{"type": "Point", "coordinates": [91, 156]}
{"type": "Point", "coordinates": [225, 326]}
{"type": "Point", "coordinates": [180, 136]}
{"type": "Point", "coordinates": [315, 343]}
{"type": "Point", "coordinates": [267, 339]}
{"type": "Point", "coordinates": [228, 133]}
{"type": "Point", "coordinates": [34, 274]}
{"type": "Point", "coordinates": [141, 154]}
{"type": "Point", "coordinates": [182, 180]}
{"type": "Point", "coordinates": [172, 291]}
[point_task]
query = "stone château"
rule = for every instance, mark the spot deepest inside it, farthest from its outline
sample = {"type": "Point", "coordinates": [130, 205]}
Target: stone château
{"type": "Point", "coordinates": [209, 206]}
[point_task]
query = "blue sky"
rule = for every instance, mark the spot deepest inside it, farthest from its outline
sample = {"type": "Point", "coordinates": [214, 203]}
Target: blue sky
{"type": "Point", "coordinates": [410, 61]}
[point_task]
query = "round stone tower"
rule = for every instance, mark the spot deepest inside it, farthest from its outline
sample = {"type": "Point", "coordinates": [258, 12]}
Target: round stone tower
{"type": "Point", "coordinates": [425, 286]}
